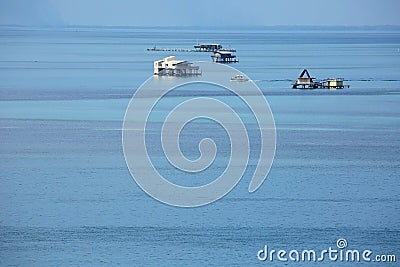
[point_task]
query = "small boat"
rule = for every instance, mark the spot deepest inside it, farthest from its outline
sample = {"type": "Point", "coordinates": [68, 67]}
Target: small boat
{"type": "Point", "coordinates": [239, 78]}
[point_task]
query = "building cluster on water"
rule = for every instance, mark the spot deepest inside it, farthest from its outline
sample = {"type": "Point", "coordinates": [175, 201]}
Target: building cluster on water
{"type": "Point", "coordinates": [170, 66]}
{"type": "Point", "coordinates": [305, 81]}
{"type": "Point", "coordinates": [219, 54]}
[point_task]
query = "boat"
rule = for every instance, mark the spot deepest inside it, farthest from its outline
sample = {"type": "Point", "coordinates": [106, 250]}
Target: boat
{"type": "Point", "coordinates": [239, 78]}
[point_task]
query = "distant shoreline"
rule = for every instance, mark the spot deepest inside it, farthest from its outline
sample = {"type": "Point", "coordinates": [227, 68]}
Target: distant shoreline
{"type": "Point", "coordinates": [238, 27]}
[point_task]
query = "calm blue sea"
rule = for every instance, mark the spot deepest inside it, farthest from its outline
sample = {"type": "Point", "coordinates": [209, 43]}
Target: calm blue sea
{"type": "Point", "coordinates": [67, 197]}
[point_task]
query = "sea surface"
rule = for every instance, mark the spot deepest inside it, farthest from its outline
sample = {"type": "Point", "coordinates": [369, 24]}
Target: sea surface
{"type": "Point", "coordinates": [67, 197]}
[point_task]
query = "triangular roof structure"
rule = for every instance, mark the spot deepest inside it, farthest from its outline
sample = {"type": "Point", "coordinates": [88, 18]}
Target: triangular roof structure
{"type": "Point", "coordinates": [305, 71]}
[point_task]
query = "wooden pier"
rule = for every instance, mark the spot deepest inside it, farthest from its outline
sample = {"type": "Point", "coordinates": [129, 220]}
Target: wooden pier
{"type": "Point", "coordinates": [197, 48]}
{"type": "Point", "coordinates": [154, 48]}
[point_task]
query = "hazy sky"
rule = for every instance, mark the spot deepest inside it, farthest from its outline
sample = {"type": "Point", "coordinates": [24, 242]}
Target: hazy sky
{"type": "Point", "coordinates": [200, 13]}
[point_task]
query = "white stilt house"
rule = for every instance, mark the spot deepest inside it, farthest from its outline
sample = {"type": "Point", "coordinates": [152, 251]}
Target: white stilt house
{"type": "Point", "coordinates": [171, 67]}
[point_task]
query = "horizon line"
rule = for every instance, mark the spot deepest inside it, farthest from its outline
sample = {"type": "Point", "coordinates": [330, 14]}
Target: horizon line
{"type": "Point", "coordinates": [201, 26]}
